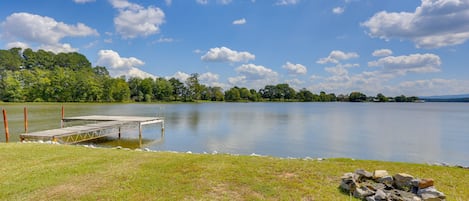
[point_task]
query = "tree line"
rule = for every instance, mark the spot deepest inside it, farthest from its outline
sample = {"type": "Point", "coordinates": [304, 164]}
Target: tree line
{"type": "Point", "coordinates": [38, 76]}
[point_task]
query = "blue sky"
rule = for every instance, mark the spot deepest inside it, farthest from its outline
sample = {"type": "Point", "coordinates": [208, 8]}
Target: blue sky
{"type": "Point", "coordinates": [374, 46]}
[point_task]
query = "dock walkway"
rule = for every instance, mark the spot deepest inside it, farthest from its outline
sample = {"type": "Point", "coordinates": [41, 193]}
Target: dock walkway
{"type": "Point", "coordinates": [97, 126]}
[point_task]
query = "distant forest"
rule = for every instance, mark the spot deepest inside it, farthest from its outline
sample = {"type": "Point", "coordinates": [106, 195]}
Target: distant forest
{"type": "Point", "coordinates": [44, 76]}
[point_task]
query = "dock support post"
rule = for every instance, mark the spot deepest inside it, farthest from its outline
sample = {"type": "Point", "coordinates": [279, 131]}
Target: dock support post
{"type": "Point", "coordinates": [5, 123]}
{"type": "Point", "coordinates": [119, 133]}
{"type": "Point", "coordinates": [25, 120]}
{"type": "Point", "coordinates": [140, 134]}
{"type": "Point", "coordinates": [62, 118]}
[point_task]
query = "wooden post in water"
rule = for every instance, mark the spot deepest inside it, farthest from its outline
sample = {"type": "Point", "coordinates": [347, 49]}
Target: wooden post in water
{"type": "Point", "coordinates": [25, 120]}
{"type": "Point", "coordinates": [5, 123]}
{"type": "Point", "coordinates": [140, 134]}
{"type": "Point", "coordinates": [119, 133]}
{"type": "Point", "coordinates": [62, 118]}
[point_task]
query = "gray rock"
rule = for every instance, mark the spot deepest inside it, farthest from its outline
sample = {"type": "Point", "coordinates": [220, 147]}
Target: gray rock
{"type": "Point", "coordinates": [430, 194]}
{"type": "Point", "coordinates": [386, 180]}
{"type": "Point", "coordinates": [403, 181]}
{"type": "Point", "coordinates": [380, 195]}
{"type": "Point", "coordinates": [370, 198]}
{"type": "Point", "coordinates": [364, 173]}
{"type": "Point", "coordinates": [380, 173]}
{"type": "Point", "coordinates": [362, 192]}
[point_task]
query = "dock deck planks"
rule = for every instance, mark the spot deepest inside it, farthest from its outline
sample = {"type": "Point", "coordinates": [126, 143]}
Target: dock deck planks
{"type": "Point", "coordinates": [101, 126]}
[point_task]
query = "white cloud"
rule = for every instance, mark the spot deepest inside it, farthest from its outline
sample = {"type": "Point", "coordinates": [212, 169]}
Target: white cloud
{"type": "Point", "coordinates": [181, 76]}
{"type": "Point", "coordinates": [338, 10]}
{"type": "Point", "coordinates": [418, 63]}
{"type": "Point", "coordinates": [286, 2]}
{"type": "Point", "coordinates": [65, 47]}
{"type": "Point", "coordinates": [240, 21]}
{"type": "Point", "coordinates": [238, 80]}
{"type": "Point", "coordinates": [209, 77]}
{"type": "Point", "coordinates": [83, 1]}
{"type": "Point", "coordinates": [168, 2]}
{"type": "Point", "coordinates": [224, 2]}
{"type": "Point", "coordinates": [434, 24]}
{"type": "Point", "coordinates": [44, 31]}
{"type": "Point", "coordinates": [203, 2]}
{"type": "Point", "coordinates": [295, 68]}
{"type": "Point", "coordinates": [224, 54]}
{"type": "Point", "coordinates": [118, 65]}
{"type": "Point", "coordinates": [436, 86]}
{"type": "Point", "coordinates": [17, 44]}
{"type": "Point", "coordinates": [164, 40]}
{"type": "Point", "coordinates": [254, 76]}
{"type": "Point", "coordinates": [382, 53]}
{"type": "Point", "coordinates": [336, 56]}
{"type": "Point", "coordinates": [134, 20]}
{"type": "Point", "coordinates": [197, 51]}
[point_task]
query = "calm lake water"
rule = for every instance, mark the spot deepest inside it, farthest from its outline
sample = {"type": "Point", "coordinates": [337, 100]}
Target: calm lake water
{"type": "Point", "coordinates": [410, 132]}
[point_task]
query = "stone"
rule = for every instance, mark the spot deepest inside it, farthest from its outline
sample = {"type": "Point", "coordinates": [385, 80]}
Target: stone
{"type": "Point", "coordinates": [348, 182]}
{"type": "Point", "coordinates": [380, 195]}
{"type": "Point", "coordinates": [380, 173]}
{"type": "Point", "coordinates": [370, 198]}
{"type": "Point", "coordinates": [388, 180]}
{"type": "Point", "coordinates": [425, 183]}
{"type": "Point", "coordinates": [403, 181]}
{"type": "Point", "coordinates": [362, 192]}
{"type": "Point", "coordinates": [364, 173]}
{"type": "Point", "coordinates": [430, 194]}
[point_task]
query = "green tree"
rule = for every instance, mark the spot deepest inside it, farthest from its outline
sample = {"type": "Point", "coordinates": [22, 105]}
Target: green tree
{"type": "Point", "coordinates": [357, 97]}
{"type": "Point", "coordinates": [178, 88]}
{"type": "Point", "coordinates": [162, 89]}
{"type": "Point", "coordinates": [11, 89]}
{"type": "Point", "coordinates": [232, 95]}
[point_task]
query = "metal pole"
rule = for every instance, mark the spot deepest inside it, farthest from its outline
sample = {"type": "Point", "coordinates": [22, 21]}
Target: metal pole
{"type": "Point", "coordinates": [5, 123]}
{"type": "Point", "coordinates": [25, 120]}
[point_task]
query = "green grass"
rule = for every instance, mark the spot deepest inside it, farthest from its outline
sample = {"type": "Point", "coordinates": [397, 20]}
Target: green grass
{"type": "Point", "coordinates": [61, 172]}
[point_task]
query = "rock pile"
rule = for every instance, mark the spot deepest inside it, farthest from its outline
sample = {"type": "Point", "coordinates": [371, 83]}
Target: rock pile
{"type": "Point", "coordinates": [380, 186]}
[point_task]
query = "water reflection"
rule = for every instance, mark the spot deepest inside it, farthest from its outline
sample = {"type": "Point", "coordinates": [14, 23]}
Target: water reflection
{"type": "Point", "coordinates": [427, 132]}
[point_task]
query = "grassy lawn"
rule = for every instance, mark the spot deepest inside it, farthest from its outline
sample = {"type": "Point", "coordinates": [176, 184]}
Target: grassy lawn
{"type": "Point", "coordinates": [61, 172]}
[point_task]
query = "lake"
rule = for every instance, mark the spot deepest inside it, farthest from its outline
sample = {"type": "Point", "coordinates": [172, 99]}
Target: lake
{"type": "Point", "coordinates": [408, 132]}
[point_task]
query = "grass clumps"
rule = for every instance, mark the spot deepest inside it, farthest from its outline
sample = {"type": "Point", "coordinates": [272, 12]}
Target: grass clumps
{"type": "Point", "coordinates": [60, 172]}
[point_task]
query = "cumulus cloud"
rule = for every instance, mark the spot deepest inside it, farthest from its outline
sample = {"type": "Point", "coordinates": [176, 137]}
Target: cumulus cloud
{"type": "Point", "coordinates": [430, 87]}
{"type": "Point", "coordinates": [338, 10]}
{"type": "Point", "coordinates": [203, 2]}
{"type": "Point", "coordinates": [240, 21]}
{"type": "Point", "coordinates": [134, 20]}
{"type": "Point", "coordinates": [224, 54]}
{"type": "Point", "coordinates": [382, 52]}
{"type": "Point", "coordinates": [418, 63]}
{"type": "Point", "coordinates": [17, 44]}
{"type": "Point", "coordinates": [44, 31]}
{"type": "Point", "coordinates": [224, 2]}
{"type": "Point", "coordinates": [286, 2]}
{"type": "Point", "coordinates": [295, 69]}
{"type": "Point", "coordinates": [211, 79]}
{"type": "Point", "coordinates": [118, 65]}
{"type": "Point", "coordinates": [434, 24]}
{"type": "Point", "coordinates": [256, 76]}
{"type": "Point", "coordinates": [181, 76]}
{"type": "Point", "coordinates": [83, 1]}
{"type": "Point", "coordinates": [336, 56]}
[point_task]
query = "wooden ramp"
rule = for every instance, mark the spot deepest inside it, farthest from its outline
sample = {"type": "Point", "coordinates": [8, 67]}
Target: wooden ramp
{"type": "Point", "coordinates": [95, 126]}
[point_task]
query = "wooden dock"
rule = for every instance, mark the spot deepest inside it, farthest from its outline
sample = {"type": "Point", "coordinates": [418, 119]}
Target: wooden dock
{"type": "Point", "coordinates": [93, 127]}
